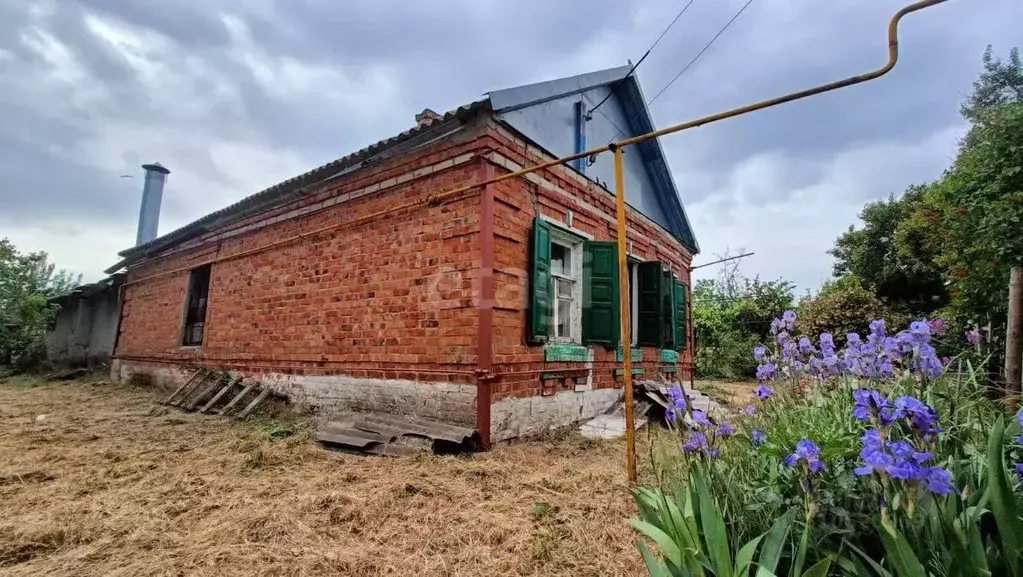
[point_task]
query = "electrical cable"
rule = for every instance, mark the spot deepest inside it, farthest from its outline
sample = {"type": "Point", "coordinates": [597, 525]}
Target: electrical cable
{"type": "Point", "coordinates": [700, 53]}
{"type": "Point", "coordinates": [691, 62]}
{"type": "Point", "coordinates": [645, 54]}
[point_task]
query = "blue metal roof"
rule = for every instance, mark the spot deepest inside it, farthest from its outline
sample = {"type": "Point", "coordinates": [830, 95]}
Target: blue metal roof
{"type": "Point", "coordinates": [626, 89]}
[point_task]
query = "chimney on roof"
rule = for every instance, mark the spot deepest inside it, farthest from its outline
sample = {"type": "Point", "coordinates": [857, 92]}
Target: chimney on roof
{"type": "Point", "coordinates": [426, 117]}
{"type": "Point", "coordinates": [152, 196]}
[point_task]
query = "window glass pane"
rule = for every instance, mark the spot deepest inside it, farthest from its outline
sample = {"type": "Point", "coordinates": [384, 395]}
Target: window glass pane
{"type": "Point", "coordinates": [564, 326]}
{"type": "Point", "coordinates": [564, 288]}
{"type": "Point", "coordinates": [559, 260]}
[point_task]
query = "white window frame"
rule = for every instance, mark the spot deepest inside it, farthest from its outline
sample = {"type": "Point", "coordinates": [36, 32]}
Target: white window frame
{"type": "Point", "coordinates": [633, 302]}
{"type": "Point", "coordinates": [571, 240]}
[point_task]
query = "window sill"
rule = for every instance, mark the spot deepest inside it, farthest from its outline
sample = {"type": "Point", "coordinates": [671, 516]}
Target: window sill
{"type": "Point", "coordinates": [620, 372]}
{"type": "Point", "coordinates": [189, 347]}
{"type": "Point", "coordinates": [637, 354]}
{"type": "Point", "coordinates": [569, 352]}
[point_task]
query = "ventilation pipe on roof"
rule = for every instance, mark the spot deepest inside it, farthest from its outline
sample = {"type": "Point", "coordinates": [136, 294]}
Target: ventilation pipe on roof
{"type": "Point", "coordinates": [152, 196]}
{"type": "Point", "coordinates": [425, 117]}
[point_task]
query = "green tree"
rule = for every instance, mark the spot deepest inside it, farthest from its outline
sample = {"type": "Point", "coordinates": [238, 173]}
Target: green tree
{"type": "Point", "coordinates": [1000, 83]}
{"type": "Point", "coordinates": [27, 281]}
{"type": "Point", "coordinates": [892, 266]}
{"type": "Point", "coordinates": [731, 315]}
{"type": "Point", "coordinates": [981, 198]}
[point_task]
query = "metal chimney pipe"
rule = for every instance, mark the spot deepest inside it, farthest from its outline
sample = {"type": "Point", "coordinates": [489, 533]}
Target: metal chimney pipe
{"type": "Point", "coordinates": [152, 196]}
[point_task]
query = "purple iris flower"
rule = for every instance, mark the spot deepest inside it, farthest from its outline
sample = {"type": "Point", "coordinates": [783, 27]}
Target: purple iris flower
{"type": "Point", "coordinates": [805, 346]}
{"type": "Point", "coordinates": [763, 391]}
{"type": "Point", "coordinates": [939, 481]}
{"type": "Point", "coordinates": [827, 340]}
{"type": "Point", "coordinates": [789, 349]}
{"type": "Point", "coordinates": [875, 462]}
{"type": "Point", "coordinates": [922, 418]}
{"type": "Point", "coordinates": [695, 441]}
{"type": "Point", "coordinates": [931, 366]}
{"type": "Point", "coordinates": [905, 340]}
{"type": "Point", "coordinates": [750, 409]}
{"type": "Point", "coordinates": [877, 327]}
{"type": "Point", "coordinates": [759, 437]}
{"type": "Point", "coordinates": [973, 337]}
{"type": "Point", "coordinates": [759, 353]}
{"type": "Point", "coordinates": [766, 372]}
{"type": "Point", "coordinates": [783, 337]}
{"type": "Point", "coordinates": [1019, 419]}
{"type": "Point", "coordinates": [700, 419]}
{"type": "Point", "coordinates": [872, 442]}
{"type": "Point", "coordinates": [872, 403]}
{"type": "Point", "coordinates": [797, 365]}
{"type": "Point", "coordinates": [676, 402]}
{"type": "Point", "coordinates": [807, 452]}
{"type": "Point", "coordinates": [920, 332]}
{"type": "Point", "coordinates": [789, 318]}
{"type": "Point", "coordinates": [905, 450]}
{"type": "Point", "coordinates": [852, 339]}
{"type": "Point", "coordinates": [1019, 471]}
{"type": "Point", "coordinates": [776, 326]}
{"type": "Point", "coordinates": [816, 366]}
{"type": "Point", "coordinates": [886, 370]}
{"type": "Point", "coordinates": [725, 430]}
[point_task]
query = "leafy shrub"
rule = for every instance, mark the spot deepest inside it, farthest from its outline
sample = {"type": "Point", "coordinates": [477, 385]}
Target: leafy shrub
{"type": "Point", "coordinates": [878, 458]}
{"type": "Point", "coordinates": [844, 306]}
{"type": "Point", "coordinates": [27, 281]}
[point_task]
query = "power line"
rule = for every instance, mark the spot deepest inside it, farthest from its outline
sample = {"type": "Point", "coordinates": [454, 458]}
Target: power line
{"type": "Point", "coordinates": [691, 62]}
{"type": "Point", "coordinates": [700, 53]}
{"type": "Point", "coordinates": [645, 54]}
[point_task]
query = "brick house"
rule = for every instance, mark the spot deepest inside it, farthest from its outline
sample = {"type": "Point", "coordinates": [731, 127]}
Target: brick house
{"type": "Point", "coordinates": [361, 285]}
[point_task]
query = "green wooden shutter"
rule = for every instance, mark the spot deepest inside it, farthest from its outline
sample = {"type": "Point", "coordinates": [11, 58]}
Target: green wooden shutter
{"type": "Point", "coordinates": [668, 308]}
{"type": "Point", "coordinates": [540, 283]}
{"type": "Point", "coordinates": [601, 322]}
{"type": "Point", "coordinates": [650, 325]}
{"type": "Point", "coordinates": [681, 324]}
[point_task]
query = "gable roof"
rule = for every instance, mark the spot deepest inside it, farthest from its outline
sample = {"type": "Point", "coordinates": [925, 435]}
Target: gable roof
{"type": "Point", "coordinates": [625, 87]}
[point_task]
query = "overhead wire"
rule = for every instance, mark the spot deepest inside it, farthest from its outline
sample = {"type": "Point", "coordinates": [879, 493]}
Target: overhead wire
{"type": "Point", "coordinates": [691, 62]}
{"type": "Point", "coordinates": [645, 54]}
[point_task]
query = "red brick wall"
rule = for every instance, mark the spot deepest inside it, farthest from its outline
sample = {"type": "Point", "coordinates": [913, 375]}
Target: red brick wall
{"type": "Point", "coordinates": [593, 211]}
{"type": "Point", "coordinates": [392, 297]}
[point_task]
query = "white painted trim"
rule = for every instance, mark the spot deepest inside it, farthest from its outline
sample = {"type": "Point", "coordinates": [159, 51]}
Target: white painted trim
{"type": "Point", "coordinates": [574, 245]}
{"type": "Point", "coordinates": [565, 228]}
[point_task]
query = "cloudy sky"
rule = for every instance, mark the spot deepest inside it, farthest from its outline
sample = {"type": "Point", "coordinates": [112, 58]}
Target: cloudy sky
{"type": "Point", "coordinates": [235, 96]}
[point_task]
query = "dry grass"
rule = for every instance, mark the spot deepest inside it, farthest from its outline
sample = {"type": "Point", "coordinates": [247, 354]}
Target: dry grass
{"type": "Point", "coordinates": [735, 394]}
{"type": "Point", "coordinates": [111, 483]}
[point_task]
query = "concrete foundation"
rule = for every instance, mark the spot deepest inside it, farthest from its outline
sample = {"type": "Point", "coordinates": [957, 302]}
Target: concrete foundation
{"type": "Point", "coordinates": [451, 402]}
{"type": "Point", "coordinates": [532, 416]}
{"type": "Point", "coordinates": [455, 403]}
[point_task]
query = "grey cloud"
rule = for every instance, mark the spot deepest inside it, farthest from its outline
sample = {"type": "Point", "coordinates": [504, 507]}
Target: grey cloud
{"type": "Point", "coordinates": [391, 60]}
{"type": "Point", "coordinates": [940, 55]}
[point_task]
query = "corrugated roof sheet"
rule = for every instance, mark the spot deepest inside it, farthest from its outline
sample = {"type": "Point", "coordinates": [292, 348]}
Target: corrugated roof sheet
{"type": "Point", "coordinates": [286, 190]}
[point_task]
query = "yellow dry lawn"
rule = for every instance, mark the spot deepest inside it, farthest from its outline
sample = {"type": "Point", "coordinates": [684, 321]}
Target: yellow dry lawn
{"type": "Point", "coordinates": [735, 394]}
{"type": "Point", "coordinates": [109, 482]}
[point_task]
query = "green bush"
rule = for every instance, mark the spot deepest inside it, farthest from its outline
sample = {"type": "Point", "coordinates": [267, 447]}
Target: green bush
{"type": "Point", "coordinates": [801, 486]}
{"type": "Point", "coordinates": [26, 282]}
